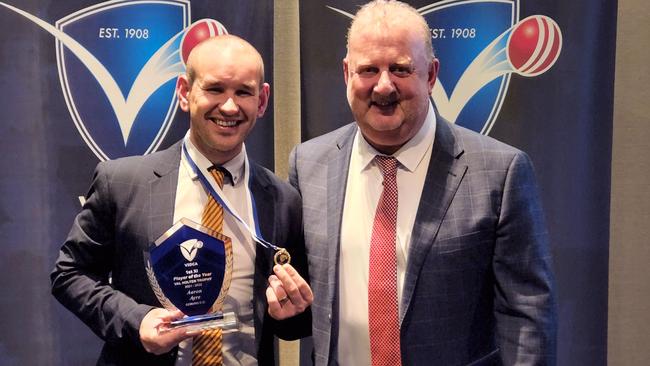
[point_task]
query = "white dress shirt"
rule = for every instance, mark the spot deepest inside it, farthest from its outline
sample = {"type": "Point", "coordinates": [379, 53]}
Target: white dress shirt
{"type": "Point", "coordinates": [364, 187]}
{"type": "Point", "coordinates": [238, 347]}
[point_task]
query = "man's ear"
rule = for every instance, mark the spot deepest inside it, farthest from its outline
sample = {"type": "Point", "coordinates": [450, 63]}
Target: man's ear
{"type": "Point", "coordinates": [345, 70]}
{"type": "Point", "coordinates": [265, 94]}
{"type": "Point", "coordinates": [433, 73]}
{"type": "Point", "coordinates": [182, 92]}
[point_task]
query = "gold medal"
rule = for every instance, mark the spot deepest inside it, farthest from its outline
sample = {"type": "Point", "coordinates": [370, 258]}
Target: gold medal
{"type": "Point", "coordinates": [282, 257]}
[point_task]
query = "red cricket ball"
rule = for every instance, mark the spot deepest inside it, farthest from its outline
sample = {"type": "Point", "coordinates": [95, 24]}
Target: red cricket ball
{"type": "Point", "coordinates": [198, 32]}
{"type": "Point", "coordinates": [534, 45]}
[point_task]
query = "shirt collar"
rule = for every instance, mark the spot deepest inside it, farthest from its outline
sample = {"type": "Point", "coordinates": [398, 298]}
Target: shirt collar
{"type": "Point", "coordinates": [235, 166]}
{"type": "Point", "coordinates": [411, 154]}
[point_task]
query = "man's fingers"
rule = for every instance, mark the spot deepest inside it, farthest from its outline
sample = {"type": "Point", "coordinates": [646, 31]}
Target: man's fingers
{"type": "Point", "coordinates": [278, 288]}
{"type": "Point", "coordinates": [172, 315]}
{"type": "Point", "coordinates": [155, 335]}
{"type": "Point", "coordinates": [288, 283]}
{"type": "Point", "coordinates": [294, 285]}
{"type": "Point", "coordinates": [275, 308]}
{"type": "Point", "coordinates": [288, 293]}
{"type": "Point", "coordinates": [303, 286]}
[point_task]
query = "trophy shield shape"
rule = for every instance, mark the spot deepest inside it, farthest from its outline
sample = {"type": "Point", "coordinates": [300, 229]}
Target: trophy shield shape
{"type": "Point", "coordinates": [189, 269]}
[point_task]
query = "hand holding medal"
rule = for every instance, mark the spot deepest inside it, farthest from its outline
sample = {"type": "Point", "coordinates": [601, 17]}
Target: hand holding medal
{"type": "Point", "coordinates": [281, 256]}
{"type": "Point", "coordinates": [288, 293]}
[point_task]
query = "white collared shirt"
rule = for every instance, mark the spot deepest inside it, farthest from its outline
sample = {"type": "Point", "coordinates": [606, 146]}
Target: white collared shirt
{"type": "Point", "coordinates": [364, 187]}
{"type": "Point", "coordinates": [191, 198]}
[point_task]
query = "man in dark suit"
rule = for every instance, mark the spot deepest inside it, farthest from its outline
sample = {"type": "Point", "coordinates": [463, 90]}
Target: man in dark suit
{"type": "Point", "coordinates": [425, 241]}
{"type": "Point", "coordinates": [100, 273]}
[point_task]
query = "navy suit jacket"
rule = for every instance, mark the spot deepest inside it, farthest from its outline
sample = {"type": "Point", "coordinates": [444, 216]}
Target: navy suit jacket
{"type": "Point", "coordinates": [478, 288]}
{"type": "Point", "coordinates": [130, 204]}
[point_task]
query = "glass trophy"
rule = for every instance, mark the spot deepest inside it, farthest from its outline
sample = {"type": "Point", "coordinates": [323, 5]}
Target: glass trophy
{"type": "Point", "coordinates": [189, 268]}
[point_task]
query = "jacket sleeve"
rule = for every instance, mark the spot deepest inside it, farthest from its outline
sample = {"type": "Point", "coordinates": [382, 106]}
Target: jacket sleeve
{"type": "Point", "coordinates": [81, 276]}
{"type": "Point", "coordinates": [524, 306]}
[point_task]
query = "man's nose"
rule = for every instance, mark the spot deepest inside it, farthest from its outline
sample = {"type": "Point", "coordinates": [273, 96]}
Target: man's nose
{"type": "Point", "coordinates": [229, 107]}
{"type": "Point", "coordinates": [384, 84]}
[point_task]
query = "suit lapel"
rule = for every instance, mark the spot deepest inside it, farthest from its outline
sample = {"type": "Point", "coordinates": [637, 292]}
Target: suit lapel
{"type": "Point", "coordinates": [264, 204]}
{"type": "Point", "coordinates": [443, 177]}
{"type": "Point", "coordinates": [162, 190]}
{"type": "Point", "coordinates": [337, 174]}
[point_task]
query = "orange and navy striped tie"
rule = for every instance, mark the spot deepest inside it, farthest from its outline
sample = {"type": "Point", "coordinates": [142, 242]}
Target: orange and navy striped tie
{"type": "Point", "coordinates": [206, 348]}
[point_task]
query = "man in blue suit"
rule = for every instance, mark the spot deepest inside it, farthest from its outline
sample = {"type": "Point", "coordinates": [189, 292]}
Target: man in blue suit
{"type": "Point", "coordinates": [426, 242]}
{"type": "Point", "coordinates": [100, 273]}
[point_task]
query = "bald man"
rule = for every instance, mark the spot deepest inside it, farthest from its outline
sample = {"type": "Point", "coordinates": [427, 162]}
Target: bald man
{"type": "Point", "coordinates": [100, 273]}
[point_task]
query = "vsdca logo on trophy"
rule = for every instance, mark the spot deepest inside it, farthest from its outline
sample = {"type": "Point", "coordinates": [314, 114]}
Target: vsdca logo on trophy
{"type": "Point", "coordinates": [118, 62]}
{"type": "Point", "coordinates": [481, 43]}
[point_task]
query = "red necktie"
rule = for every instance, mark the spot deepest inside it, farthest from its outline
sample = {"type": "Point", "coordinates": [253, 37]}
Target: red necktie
{"type": "Point", "coordinates": [206, 347]}
{"type": "Point", "coordinates": [383, 319]}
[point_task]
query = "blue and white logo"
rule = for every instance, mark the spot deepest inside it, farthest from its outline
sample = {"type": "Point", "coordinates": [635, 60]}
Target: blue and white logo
{"type": "Point", "coordinates": [189, 248]}
{"type": "Point", "coordinates": [468, 89]}
{"type": "Point", "coordinates": [480, 44]}
{"type": "Point", "coordinates": [118, 62]}
{"type": "Point", "coordinates": [119, 83]}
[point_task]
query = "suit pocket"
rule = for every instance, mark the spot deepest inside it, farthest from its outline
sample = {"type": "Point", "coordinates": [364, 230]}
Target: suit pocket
{"type": "Point", "coordinates": [491, 359]}
{"type": "Point", "coordinates": [471, 250]}
{"type": "Point", "coordinates": [465, 241]}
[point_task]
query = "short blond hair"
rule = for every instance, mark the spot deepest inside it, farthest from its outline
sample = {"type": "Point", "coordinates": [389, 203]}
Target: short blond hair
{"type": "Point", "coordinates": [384, 14]}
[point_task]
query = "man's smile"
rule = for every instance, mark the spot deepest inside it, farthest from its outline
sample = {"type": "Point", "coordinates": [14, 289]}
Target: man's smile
{"type": "Point", "coordinates": [223, 123]}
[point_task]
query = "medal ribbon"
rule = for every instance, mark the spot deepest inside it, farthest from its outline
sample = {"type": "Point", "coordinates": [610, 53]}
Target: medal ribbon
{"type": "Point", "coordinates": [214, 191]}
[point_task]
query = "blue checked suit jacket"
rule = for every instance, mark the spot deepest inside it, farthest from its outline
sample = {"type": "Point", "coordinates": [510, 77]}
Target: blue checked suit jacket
{"type": "Point", "coordinates": [130, 204]}
{"type": "Point", "coordinates": [478, 288]}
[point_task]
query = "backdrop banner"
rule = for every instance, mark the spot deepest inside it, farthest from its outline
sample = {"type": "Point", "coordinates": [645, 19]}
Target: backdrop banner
{"type": "Point", "coordinates": [535, 74]}
{"type": "Point", "coordinates": [87, 81]}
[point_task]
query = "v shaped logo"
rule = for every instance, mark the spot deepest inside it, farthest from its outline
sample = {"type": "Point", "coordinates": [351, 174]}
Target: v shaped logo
{"type": "Point", "coordinates": [117, 65]}
{"type": "Point", "coordinates": [190, 248]}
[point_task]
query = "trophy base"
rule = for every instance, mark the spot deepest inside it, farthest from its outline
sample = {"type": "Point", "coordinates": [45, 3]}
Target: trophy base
{"type": "Point", "coordinates": [226, 321]}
